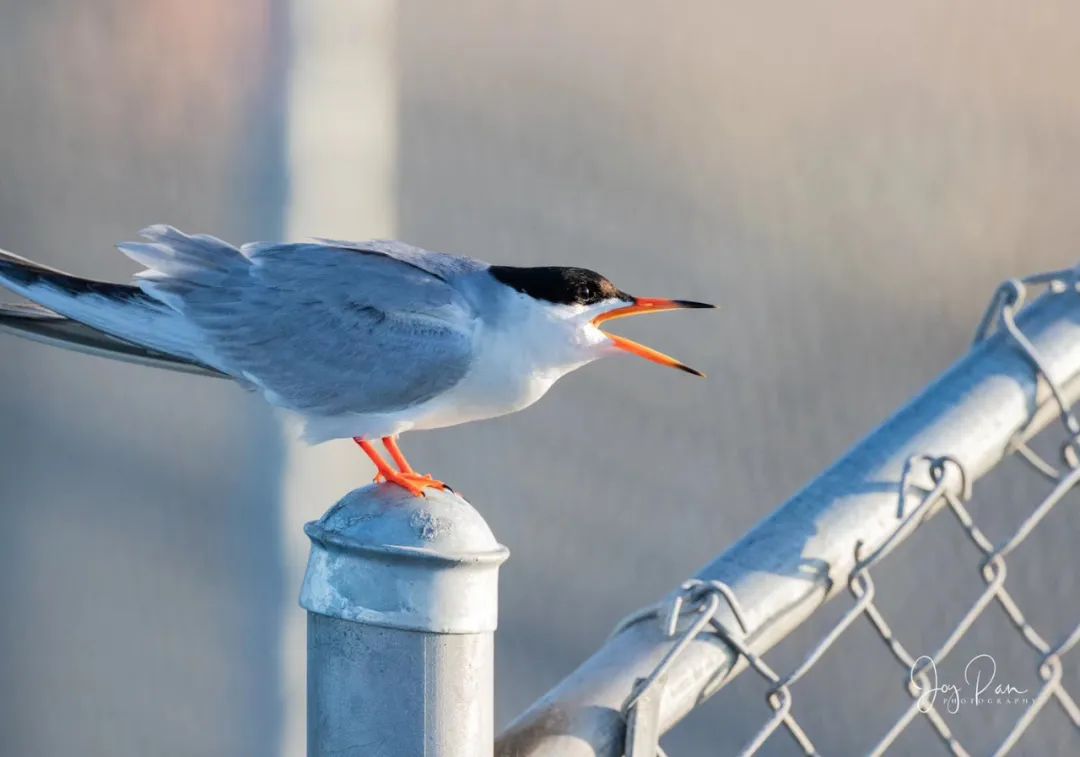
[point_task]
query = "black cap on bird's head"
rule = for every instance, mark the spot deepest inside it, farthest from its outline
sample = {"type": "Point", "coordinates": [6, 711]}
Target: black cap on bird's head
{"type": "Point", "coordinates": [579, 286]}
{"type": "Point", "coordinates": [559, 285]}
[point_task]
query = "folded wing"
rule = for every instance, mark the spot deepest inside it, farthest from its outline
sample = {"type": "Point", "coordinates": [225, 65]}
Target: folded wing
{"type": "Point", "coordinates": [319, 328]}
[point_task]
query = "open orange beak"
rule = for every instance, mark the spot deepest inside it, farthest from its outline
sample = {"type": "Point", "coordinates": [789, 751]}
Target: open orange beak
{"type": "Point", "coordinates": [648, 305]}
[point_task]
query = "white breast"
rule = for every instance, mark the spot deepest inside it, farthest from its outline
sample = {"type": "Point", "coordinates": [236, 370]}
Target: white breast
{"type": "Point", "coordinates": [519, 355]}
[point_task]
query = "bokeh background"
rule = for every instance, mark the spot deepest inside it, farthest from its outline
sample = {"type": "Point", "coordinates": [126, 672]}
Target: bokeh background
{"type": "Point", "coordinates": [848, 180]}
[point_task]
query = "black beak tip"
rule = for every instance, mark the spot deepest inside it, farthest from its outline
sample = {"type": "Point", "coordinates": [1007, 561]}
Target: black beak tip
{"type": "Point", "coordinates": [691, 371]}
{"type": "Point", "coordinates": [690, 304]}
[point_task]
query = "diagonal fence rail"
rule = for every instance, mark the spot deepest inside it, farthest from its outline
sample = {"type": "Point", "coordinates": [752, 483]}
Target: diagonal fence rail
{"type": "Point", "coordinates": [662, 661]}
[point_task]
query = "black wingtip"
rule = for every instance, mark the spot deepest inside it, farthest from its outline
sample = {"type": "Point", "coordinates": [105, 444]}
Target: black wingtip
{"type": "Point", "coordinates": [17, 272]}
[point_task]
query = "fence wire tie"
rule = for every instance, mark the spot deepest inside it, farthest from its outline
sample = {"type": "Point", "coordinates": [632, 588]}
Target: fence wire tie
{"type": "Point", "coordinates": [1007, 301]}
{"type": "Point", "coordinates": [938, 468]}
{"type": "Point", "coordinates": [703, 598]}
{"type": "Point", "coordinates": [697, 598]}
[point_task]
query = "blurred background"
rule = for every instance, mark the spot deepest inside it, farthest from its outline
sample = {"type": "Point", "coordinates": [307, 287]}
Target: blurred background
{"type": "Point", "coordinates": [849, 182]}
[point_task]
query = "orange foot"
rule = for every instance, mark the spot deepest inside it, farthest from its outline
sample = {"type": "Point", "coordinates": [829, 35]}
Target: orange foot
{"type": "Point", "coordinates": [406, 477]}
{"type": "Point", "coordinates": [413, 483]}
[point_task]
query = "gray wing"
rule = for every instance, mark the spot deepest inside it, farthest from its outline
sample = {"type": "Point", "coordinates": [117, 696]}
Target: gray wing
{"type": "Point", "coordinates": [321, 329]}
{"type": "Point", "coordinates": [439, 264]}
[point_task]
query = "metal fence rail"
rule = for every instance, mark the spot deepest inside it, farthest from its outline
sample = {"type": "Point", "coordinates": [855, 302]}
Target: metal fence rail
{"type": "Point", "coordinates": [924, 460]}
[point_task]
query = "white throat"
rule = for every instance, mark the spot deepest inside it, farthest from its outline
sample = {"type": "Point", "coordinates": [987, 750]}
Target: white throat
{"type": "Point", "coordinates": [522, 347]}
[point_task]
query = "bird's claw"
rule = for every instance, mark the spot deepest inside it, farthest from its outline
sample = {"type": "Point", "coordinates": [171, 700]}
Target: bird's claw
{"type": "Point", "coordinates": [414, 483]}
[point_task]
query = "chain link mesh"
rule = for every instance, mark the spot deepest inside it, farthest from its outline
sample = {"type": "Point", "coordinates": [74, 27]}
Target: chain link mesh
{"type": "Point", "coordinates": [697, 604]}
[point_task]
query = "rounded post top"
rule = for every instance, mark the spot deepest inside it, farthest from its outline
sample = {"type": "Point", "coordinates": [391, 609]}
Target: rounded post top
{"type": "Point", "coordinates": [384, 557]}
{"type": "Point", "coordinates": [385, 518]}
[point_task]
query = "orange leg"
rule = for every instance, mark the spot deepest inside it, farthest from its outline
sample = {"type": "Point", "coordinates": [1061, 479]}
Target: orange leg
{"type": "Point", "coordinates": [406, 478]}
{"type": "Point", "coordinates": [395, 452]}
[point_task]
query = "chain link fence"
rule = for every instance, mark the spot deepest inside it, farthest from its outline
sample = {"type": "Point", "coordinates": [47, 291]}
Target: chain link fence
{"type": "Point", "coordinates": [695, 611]}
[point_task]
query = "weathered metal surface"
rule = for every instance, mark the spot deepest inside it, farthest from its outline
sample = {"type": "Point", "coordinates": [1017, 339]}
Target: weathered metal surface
{"type": "Point", "coordinates": [384, 557]}
{"type": "Point", "coordinates": [386, 692]}
{"type": "Point", "coordinates": [401, 593]}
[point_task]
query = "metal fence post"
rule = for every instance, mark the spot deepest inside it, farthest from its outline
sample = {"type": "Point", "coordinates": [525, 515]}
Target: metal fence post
{"type": "Point", "coordinates": [402, 601]}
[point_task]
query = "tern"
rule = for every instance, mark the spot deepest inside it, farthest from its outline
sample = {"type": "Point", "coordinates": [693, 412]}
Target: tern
{"type": "Point", "coordinates": [362, 340]}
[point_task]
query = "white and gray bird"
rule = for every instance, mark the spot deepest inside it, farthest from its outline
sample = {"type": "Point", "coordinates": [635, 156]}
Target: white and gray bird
{"type": "Point", "coordinates": [363, 340]}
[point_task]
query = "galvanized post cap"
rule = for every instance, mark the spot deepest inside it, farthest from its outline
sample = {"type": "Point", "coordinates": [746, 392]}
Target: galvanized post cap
{"type": "Point", "coordinates": [384, 557]}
